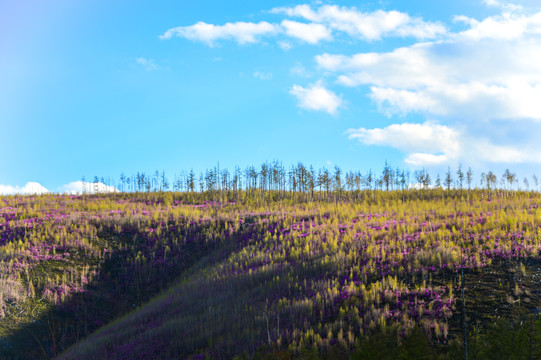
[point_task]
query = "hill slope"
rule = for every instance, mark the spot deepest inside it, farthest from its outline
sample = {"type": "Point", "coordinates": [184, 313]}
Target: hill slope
{"type": "Point", "coordinates": [324, 275]}
{"type": "Point", "coordinates": [161, 277]}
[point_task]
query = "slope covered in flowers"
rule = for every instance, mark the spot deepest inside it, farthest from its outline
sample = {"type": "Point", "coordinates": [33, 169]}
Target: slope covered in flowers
{"type": "Point", "coordinates": [236, 276]}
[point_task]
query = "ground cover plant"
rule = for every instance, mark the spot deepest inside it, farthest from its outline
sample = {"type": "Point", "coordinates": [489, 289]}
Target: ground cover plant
{"type": "Point", "coordinates": [271, 271]}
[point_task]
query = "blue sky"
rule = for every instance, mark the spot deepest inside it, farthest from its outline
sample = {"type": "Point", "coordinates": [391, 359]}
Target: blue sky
{"type": "Point", "coordinates": [98, 87]}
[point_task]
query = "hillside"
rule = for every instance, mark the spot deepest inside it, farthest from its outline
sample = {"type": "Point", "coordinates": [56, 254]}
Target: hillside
{"type": "Point", "coordinates": [182, 275]}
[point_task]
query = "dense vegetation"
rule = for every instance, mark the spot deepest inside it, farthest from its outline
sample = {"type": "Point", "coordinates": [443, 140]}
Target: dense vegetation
{"type": "Point", "coordinates": [272, 271]}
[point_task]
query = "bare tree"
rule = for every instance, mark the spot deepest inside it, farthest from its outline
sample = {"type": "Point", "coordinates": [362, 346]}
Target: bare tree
{"type": "Point", "coordinates": [437, 184]}
{"type": "Point", "coordinates": [460, 176]}
{"type": "Point", "coordinates": [423, 178]}
{"type": "Point", "coordinates": [164, 184]}
{"type": "Point", "coordinates": [386, 175]}
{"type": "Point", "coordinates": [191, 181]}
{"type": "Point", "coordinates": [448, 181]}
{"type": "Point", "coordinates": [507, 177]}
{"type": "Point", "coordinates": [358, 181]}
{"type": "Point", "coordinates": [469, 177]}
{"type": "Point", "coordinates": [311, 181]}
{"type": "Point", "coordinates": [156, 180]}
{"type": "Point", "coordinates": [491, 180]}
{"type": "Point", "coordinates": [201, 182]}
{"type": "Point", "coordinates": [324, 180]}
{"type": "Point", "coordinates": [338, 180]}
{"type": "Point", "coordinates": [350, 181]}
{"type": "Point", "coordinates": [369, 180]}
{"type": "Point", "coordinates": [122, 181]}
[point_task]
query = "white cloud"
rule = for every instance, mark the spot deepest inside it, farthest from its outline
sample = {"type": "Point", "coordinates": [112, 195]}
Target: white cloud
{"type": "Point", "coordinates": [483, 77]}
{"type": "Point", "coordinates": [423, 159]}
{"type": "Point", "coordinates": [300, 70]}
{"type": "Point", "coordinates": [316, 97]}
{"type": "Point", "coordinates": [322, 21]}
{"type": "Point", "coordinates": [431, 144]}
{"type": "Point", "coordinates": [285, 45]}
{"type": "Point", "coordinates": [410, 138]}
{"type": "Point", "coordinates": [489, 152]}
{"type": "Point", "coordinates": [262, 76]}
{"type": "Point", "coordinates": [513, 102]}
{"type": "Point", "coordinates": [489, 71]}
{"type": "Point", "coordinates": [392, 101]}
{"type": "Point", "coordinates": [79, 187]}
{"type": "Point", "coordinates": [503, 5]}
{"type": "Point", "coordinates": [409, 66]}
{"type": "Point", "coordinates": [366, 25]}
{"type": "Point", "coordinates": [507, 26]}
{"type": "Point", "coordinates": [310, 33]}
{"type": "Point", "coordinates": [241, 32]}
{"type": "Point", "coordinates": [29, 189]}
{"type": "Point", "coordinates": [148, 64]}
{"type": "Point", "coordinates": [304, 11]}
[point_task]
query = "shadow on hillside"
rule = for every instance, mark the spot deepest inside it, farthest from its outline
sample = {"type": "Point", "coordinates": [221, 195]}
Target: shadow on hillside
{"type": "Point", "coordinates": [117, 289]}
{"type": "Point", "coordinates": [505, 290]}
{"type": "Point", "coordinates": [207, 317]}
{"type": "Point", "coordinates": [222, 318]}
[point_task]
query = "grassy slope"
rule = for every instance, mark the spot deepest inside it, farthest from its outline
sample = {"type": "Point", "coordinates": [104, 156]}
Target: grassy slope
{"type": "Point", "coordinates": [261, 291]}
{"type": "Point", "coordinates": [242, 276]}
